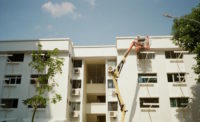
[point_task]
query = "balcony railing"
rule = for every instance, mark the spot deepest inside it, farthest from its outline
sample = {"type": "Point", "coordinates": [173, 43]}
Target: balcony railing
{"type": "Point", "coordinates": [96, 88]}
{"type": "Point", "coordinates": [96, 108]}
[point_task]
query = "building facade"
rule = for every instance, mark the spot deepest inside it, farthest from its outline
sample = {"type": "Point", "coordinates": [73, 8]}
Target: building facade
{"type": "Point", "coordinates": [156, 85]}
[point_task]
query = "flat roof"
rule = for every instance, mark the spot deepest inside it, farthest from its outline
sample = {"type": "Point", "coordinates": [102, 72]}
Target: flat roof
{"type": "Point", "coordinates": [95, 46]}
{"type": "Point", "coordinates": [40, 39]}
{"type": "Point", "coordinates": [151, 37]}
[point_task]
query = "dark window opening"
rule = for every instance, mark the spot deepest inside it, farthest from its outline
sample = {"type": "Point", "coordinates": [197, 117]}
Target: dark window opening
{"type": "Point", "coordinates": [9, 103]}
{"type": "Point", "coordinates": [76, 84]}
{"type": "Point", "coordinates": [176, 77]}
{"type": "Point", "coordinates": [179, 102]}
{"type": "Point", "coordinates": [43, 57]}
{"type": "Point", "coordinates": [75, 106]}
{"type": "Point", "coordinates": [172, 55]}
{"type": "Point", "coordinates": [149, 102]}
{"type": "Point", "coordinates": [13, 79]}
{"type": "Point", "coordinates": [147, 78]}
{"type": "Point", "coordinates": [16, 58]}
{"type": "Point", "coordinates": [38, 106]}
{"type": "Point", "coordinates": [77, 63]}
{"type": "Point", "coordinates": [111, 84]}
{"type": "Point", "coordinates": [146, 56]}
{"type": "Point", "coordinates": [42, 79]}
{"type": "Point", "coordinates": [112, 106]}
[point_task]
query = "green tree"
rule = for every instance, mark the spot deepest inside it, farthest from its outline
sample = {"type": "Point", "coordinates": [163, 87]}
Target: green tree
{"type": "Point", "coordinates": [186, 34]}
{"type": "Point", "coordinates": [47, 65]}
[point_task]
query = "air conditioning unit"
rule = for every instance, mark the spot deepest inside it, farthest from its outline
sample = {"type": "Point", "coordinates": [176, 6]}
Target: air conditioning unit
{"type": "Point", "coordinates": [75, 114]}
{"type": "Point", "coordinates": [76, 71]}
{"type": "Point", "coordinates": [75, 92]}
{"type": "Point", "coordinates": [113, 114]}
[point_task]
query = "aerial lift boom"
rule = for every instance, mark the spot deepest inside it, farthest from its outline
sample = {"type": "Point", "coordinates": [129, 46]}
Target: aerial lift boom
{"type": "Point", "coordinates": [141, 44]}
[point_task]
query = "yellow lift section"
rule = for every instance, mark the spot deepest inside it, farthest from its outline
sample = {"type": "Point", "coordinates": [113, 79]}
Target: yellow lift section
{"type": "Point", "coordinates": [141, 44]}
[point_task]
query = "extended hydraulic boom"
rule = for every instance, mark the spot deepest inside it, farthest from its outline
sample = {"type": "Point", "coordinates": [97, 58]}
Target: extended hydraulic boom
{"type": "Point", "coordinates": [140, 44]}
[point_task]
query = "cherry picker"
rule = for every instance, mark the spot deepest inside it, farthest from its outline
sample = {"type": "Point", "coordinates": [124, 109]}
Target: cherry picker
{"type": "Point", "coordinates": [141, 44]}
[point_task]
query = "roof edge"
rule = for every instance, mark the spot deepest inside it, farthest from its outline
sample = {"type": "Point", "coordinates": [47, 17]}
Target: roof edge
{"type": "Point", "coordinates": [40, 39]}
{"type": "Point", "coordinates": [151, 37]}
{"type": "Point", "coordinates": [95, 46]}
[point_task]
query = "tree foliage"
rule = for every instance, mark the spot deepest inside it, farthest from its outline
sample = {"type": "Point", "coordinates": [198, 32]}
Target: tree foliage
{"type": "Point", "coordinates": [47, 65]}
{"type": "Point", "coordinates": [186, 34]}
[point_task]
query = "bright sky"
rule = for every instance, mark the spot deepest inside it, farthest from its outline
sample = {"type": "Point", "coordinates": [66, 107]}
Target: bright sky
{"type": "Point", "coordinates": [88, 22]}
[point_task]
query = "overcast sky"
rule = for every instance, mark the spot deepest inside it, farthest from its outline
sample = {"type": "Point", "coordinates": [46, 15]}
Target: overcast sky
{"type": "Point", "coordinates": [88, 22]}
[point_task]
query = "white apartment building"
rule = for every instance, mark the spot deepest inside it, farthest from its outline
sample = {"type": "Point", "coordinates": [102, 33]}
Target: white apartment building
{"type": "Point", "coordinates": [156, 85]}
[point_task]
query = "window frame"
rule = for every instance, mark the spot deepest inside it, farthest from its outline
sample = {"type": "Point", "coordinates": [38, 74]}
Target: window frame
{"type": "Point", "coordinates": [11, 105]}
{"type": "Point", "coordinates": [172, 55]}
{"type": "Point", "coordinates": [44, 56]}
{"type": "Point", "coordinates": [75, 106]}
{"type": "Point", "coordinates": [154, 104]}
{"type": "Point", "coordinates": [110, 81]}
{"type": "Point", "coordinates": [77, 63]}
{"type": "Point", "coordinates": [177, 102]}
{"type": "Point", "coordinates": [112, 106]}
{"type": "Point", "coordinates": [148, 56]}
{"type": "Point", "coordinates": [18, 57]}
{"type": "Point", "coordinates": [12, 79]}
{"type": "Point", "coordinates": [112, 62]}
{"type": "Point", "coordinates": [34, 77]}
{"type": "Point", "coordinates": [38, 106]}
{"type": "Point", "coordinates": [148, 77]}
{"type": "Point", "coordinates": [76, 84]}
{"type": "Point", "coordinates": [172, 77]}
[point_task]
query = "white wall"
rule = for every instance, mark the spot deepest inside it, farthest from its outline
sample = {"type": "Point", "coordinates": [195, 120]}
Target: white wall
{"type": "Point", "coordinates": [96, 51]}
{"type": "Point", "coordinates": [30, 45]}
{"type": "Point", "coordinates": [130, 90]}
{"type": "Point", "coordinates": [156, 42]}
{"type": "Point", "coordinates": [25, 89]}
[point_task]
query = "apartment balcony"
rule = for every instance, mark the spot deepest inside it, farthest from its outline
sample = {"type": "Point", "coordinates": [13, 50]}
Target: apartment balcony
{"type": "Point", "coordinates": [95, 78]}
{"type": "Point", "coordinates": [96, 108]}
{"type": "Point", "coordinates": [96, 88]}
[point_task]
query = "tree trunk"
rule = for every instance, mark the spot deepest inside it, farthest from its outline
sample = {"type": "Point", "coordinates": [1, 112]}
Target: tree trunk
{"type": "Point", "coordinates": [33, 116]}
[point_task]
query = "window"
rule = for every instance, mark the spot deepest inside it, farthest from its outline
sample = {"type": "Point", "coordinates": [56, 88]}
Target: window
{"type": "Point", "coordinates": [38, 106]}
{"type": "Point", "coordinates": [9, 103]}
{"type": "Point", "coordinates": [146, 55]}
{"type": "Point", "coordinates": [112, 63]}
{"type": "Point", "coordinates": [179, 102]}
{"type": "Point", "coordinates": [176, 77]}
{"type": "Point", "coordinates": [13, 79]}
{"type": "Point", "coordinates": [43, 56]}
{"type": "Point", "coordinates": [42, 78]}
{"type": "Point", "coordinates": [111, 84]}
{"type": "Point", "coordinates": [75, 106]}
{"type": "Point", "coordinates": [112, 106]}
{"type": "Point", "coordinates": [149, 102]}
{"type": "Point", "coordinates": [172, 55]}
{"type": "Point", "coordinates": [16, 58]}
{"type": "Point", "coordinates": [76, 84]}
{"type": "Point", "coordinates": [147, 78]}
{"type": "Point", "coordinates": [77, 63]}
